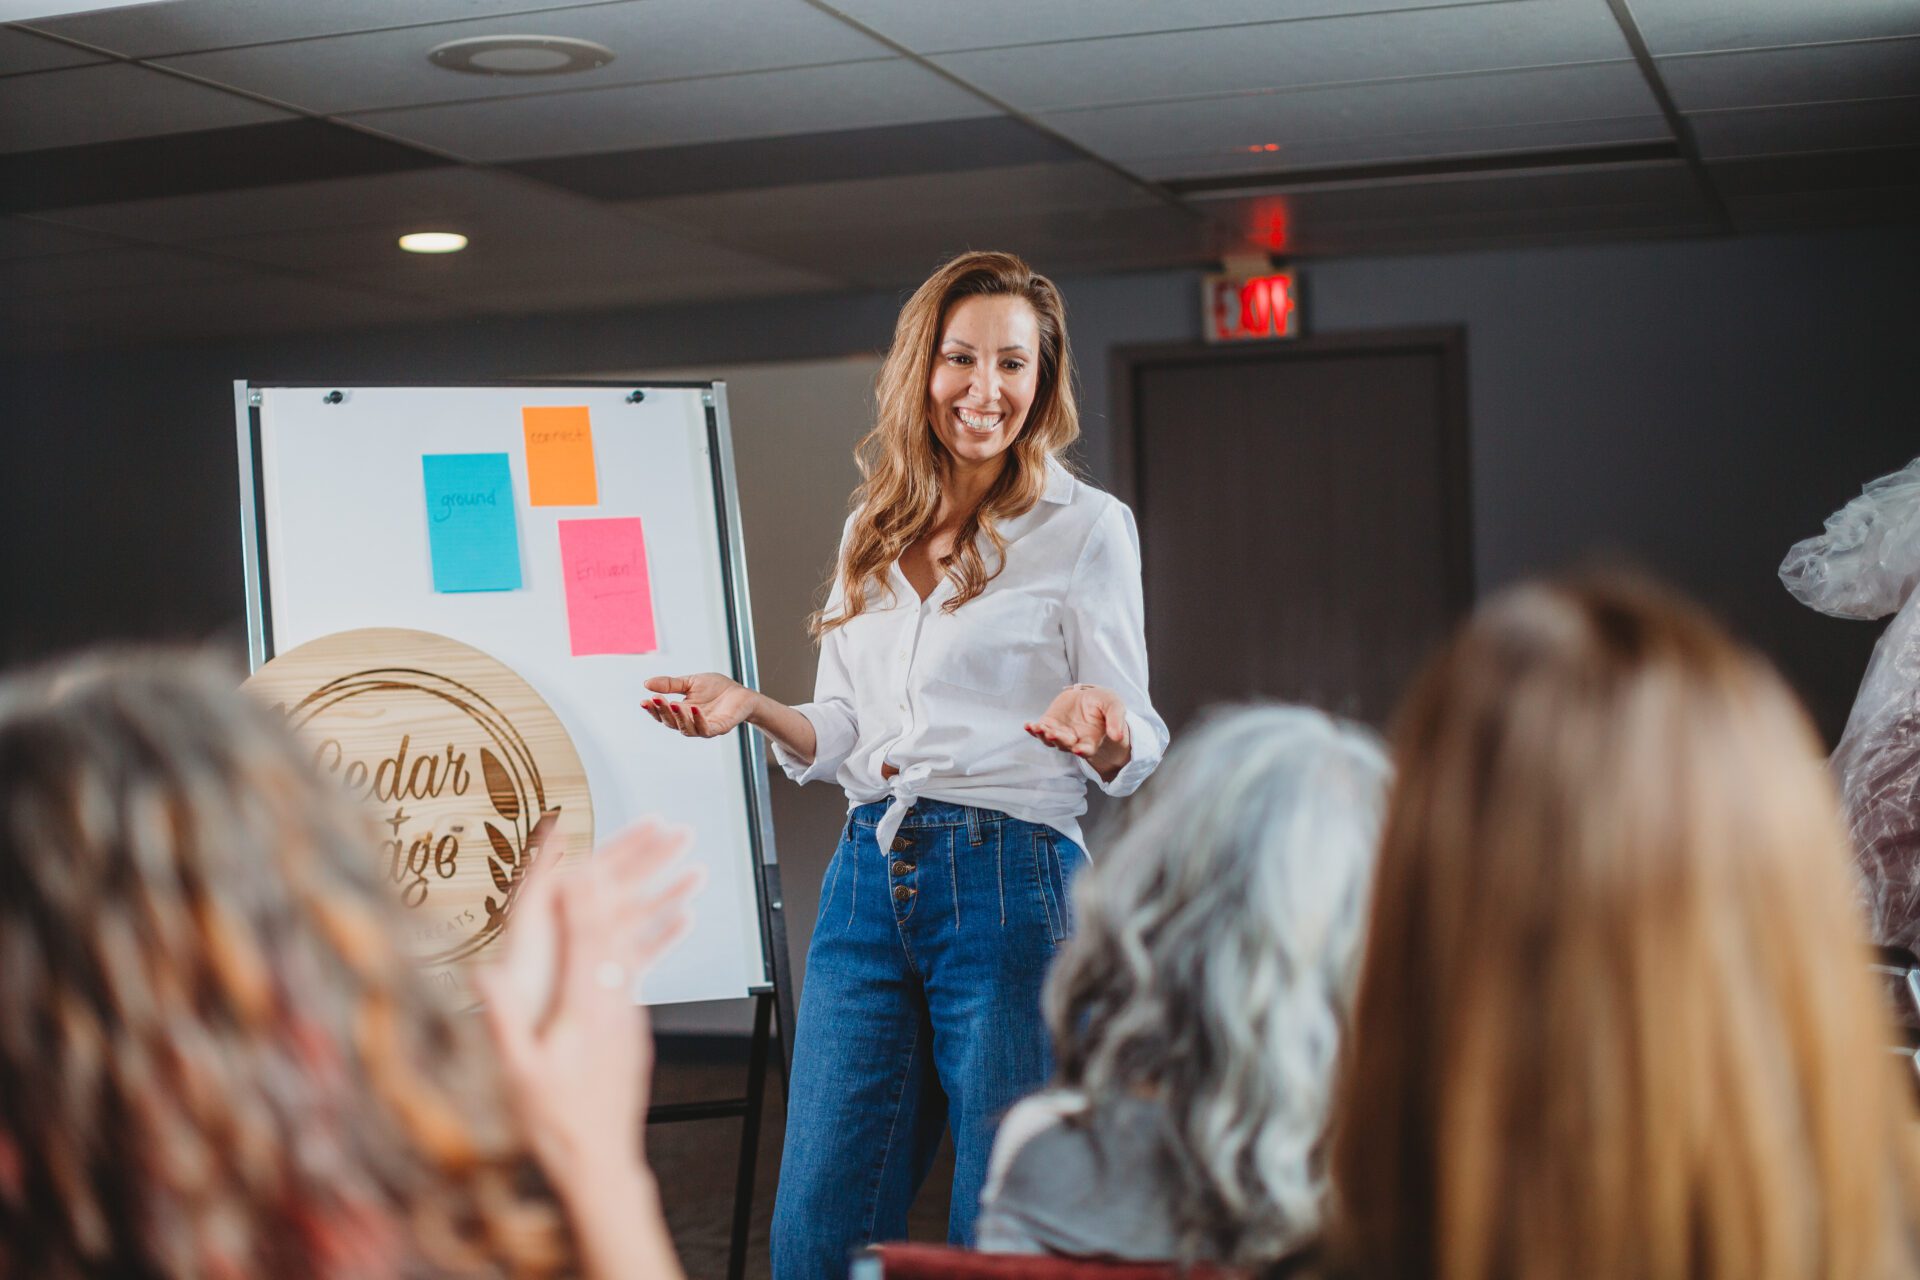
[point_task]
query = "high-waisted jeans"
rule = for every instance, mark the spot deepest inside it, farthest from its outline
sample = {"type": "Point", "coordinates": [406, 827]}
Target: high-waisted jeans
{"type": "Point", "coordinates": [921, 1006]}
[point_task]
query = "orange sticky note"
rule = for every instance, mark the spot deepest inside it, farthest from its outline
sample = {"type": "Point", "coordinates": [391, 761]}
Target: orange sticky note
{"type": "Point", "coordinates": [559, 456]}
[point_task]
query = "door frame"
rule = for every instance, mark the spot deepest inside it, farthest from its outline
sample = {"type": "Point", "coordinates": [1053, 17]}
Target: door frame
{"type": "Point", "coordinates": [1448, 342]}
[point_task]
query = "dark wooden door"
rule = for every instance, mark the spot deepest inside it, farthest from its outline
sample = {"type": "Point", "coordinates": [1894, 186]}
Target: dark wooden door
{"type": "Point", "coordinates": [1303, 518]}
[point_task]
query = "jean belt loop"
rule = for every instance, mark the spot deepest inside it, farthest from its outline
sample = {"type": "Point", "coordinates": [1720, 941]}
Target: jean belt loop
{"type": "Point", "coordinates": [973, 826]}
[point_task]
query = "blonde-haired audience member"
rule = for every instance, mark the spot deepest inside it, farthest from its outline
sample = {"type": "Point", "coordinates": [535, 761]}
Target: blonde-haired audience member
{"type": "Point", "coordinates": [1615, 1016]}
{"type": "Point", "coordinates": [214, 1060]}
{"type": "Point", "coordinates": [1197, 1012]}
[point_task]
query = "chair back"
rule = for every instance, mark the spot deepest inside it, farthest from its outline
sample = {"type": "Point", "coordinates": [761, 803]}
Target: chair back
{"type": "Point", "coordinates": [941, 1262]}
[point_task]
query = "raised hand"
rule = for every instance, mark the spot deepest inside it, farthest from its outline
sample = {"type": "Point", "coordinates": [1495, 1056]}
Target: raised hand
{"type": "Point", "coordinates": [1090, 722]}
{"type": "Point", "coordinates": [710, 706]}
{"type": "Point", "coordinates": [576, 1052]}
{"type": "Point", "coordinates": [575, 1048]}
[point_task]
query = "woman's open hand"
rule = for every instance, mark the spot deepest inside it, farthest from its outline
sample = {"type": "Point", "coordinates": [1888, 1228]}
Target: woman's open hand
{"type": "Point", "coordinates": [1090, 722]}
{"type": "Point", "coordinates": [712, 704]}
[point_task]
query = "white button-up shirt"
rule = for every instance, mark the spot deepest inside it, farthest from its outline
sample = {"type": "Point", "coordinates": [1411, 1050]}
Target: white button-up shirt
{"type": "Point", "coordinates": [944, 697]}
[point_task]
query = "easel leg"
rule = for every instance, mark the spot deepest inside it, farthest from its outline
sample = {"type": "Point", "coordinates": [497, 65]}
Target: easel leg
{"type": "Point", "coordinates": [750, 1137]}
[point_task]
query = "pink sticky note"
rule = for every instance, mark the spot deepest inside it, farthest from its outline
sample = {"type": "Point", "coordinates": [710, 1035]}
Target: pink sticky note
{"type": "Point", "coordinates": [609, 602]}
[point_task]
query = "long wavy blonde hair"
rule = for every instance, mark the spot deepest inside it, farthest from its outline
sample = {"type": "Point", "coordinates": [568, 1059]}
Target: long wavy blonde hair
{"type": "Point", "coordinates": [903, 465]}
{"type": "Point", "coordinates": [1615, 1016]}
{"type": "Point", "coordinates": [214, 1059]}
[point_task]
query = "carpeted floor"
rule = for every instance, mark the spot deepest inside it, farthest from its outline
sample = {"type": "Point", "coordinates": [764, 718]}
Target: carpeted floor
{"type": "Point", "coordinates": [696, 1161]}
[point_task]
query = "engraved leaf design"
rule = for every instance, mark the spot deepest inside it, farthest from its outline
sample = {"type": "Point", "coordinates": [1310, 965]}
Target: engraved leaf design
{"type": "Point", "coordinates": [500, 788]}
{"type": "Point", "coordinates": [495, 916]}
{"type": "Point", "coordinates": [500, 880]}
{"type": "Point", "coordinates": [502, 847]}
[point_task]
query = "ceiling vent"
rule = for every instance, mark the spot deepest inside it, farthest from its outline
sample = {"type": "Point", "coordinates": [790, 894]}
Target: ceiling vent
{"type": "Point", "coordinates": [520, 55]}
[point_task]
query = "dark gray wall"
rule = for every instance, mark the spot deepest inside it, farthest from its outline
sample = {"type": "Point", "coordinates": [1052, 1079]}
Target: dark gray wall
{"type": "Point", "coordinates": [1695, 404]}
{"type": "Point", "coordinates": [1692, 406]}
{"type": "Point", "coordinates": [119, 519]}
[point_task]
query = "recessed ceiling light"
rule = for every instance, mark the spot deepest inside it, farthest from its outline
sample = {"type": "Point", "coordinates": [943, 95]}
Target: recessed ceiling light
{"type": "Point", "coordinates": [520, 55]}
{"type": "Point", "coordinates": [433, 242]}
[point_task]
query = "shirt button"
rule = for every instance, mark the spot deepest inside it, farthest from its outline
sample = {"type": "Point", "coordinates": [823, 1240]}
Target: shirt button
{"type": "Point", "coordinates": [901, 893]}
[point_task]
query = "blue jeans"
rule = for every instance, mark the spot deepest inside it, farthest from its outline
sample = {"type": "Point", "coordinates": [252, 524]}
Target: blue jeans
{"type": "Point", "coordinates": [921, 1006]}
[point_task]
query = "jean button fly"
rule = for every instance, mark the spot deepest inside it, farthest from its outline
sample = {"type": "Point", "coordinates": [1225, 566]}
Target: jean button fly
{"type": "Point", "coordinates": [901, 868]}
{"type": "Point", "coordinates": [901, 844]}
{"type": "Point", "coordinates": [901, 893]}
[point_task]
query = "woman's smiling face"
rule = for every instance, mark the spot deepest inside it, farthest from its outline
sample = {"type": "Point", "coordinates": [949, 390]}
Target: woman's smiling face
{"type": "Point", "coordinates": [985, 373]}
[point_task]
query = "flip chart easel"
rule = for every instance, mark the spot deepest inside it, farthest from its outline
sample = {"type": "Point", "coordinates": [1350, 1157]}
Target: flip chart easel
{"type": "Point", "coordinates": [334, 536]}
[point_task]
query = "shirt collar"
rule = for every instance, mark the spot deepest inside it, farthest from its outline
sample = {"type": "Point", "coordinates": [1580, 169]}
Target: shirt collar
{"type": "Point", "coordinates": [1060, 483]}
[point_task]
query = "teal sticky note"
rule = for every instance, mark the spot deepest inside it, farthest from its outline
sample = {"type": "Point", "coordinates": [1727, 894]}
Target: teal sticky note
{"type": "Point", "coordinates": [470, 524]}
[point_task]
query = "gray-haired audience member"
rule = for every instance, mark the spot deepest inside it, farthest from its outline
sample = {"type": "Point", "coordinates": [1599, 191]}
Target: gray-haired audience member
{"type": "Point", "coordinates": [1197, 1013]}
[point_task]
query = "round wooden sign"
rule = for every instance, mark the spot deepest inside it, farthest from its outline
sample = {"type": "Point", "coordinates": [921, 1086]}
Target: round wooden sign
{"type": "Point", "coordinates": [456, 755]}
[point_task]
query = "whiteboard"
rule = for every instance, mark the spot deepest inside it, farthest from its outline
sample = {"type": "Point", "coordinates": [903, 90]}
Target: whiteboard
{"type": "Point", "coordinates": [334, 531]}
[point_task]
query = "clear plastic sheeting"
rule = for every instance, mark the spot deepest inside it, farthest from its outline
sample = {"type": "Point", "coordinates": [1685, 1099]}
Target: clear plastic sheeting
{"type": "Point", "coordinates": [1866, 565]}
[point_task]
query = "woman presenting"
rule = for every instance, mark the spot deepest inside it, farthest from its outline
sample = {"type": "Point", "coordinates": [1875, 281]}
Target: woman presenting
{"type": "Point", "coordinates": [981, 657]}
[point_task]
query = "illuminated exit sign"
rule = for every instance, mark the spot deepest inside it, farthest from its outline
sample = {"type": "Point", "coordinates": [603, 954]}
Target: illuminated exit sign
{"type": "Point", "coordinates": [1236, 309]}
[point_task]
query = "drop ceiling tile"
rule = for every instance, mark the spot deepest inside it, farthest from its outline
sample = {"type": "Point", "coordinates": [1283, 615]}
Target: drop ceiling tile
{"type": "Point", "coordinates": [1659, 198]}
{"type": "Point", "coordinates": [1422, 42]}
{"type": "Point", "coordinates": [1660, 185]}
{"type": "Point", "coordinates": [526, 242]}
{"type": "Point", "coordinates": [21, 12]}
{"type": "Point", "coordinates": [32, 238]}
{"type": "Point", "coordinates": [1225, 125]}
{"type": "Point", "coordinates": [1502, 232]}
{"type": "Point", "coordinates": [1811, 73]}
{"type": "Point", "coordinates": [509, 296]}
{"type": "Point", "coordinates": [901, 253]}
{"type": "Point", "coordinates": [1879, 168]}
{"type": "Point", "coordinates": [1495, 142]}
{"type": "Point", "coordinates": [106, 269]}
{"type": "Point", "coordinates": [1831, 126]}
{"type": "Point", "coordinates": [841, 155]}
{"type": "Point", "coordinates": [1691, 26]}
{"type": "Point", "coordinates": [602, 246]}
{"type": "Point", "coordinates": [1795, 210]}
{"type": "Point", "coordinates": [651, 39]}
{"type": "Point", "coordinates": [296, 149]}
{"type": "Point", "coordinates": [1032, 190]}
{"type": "Point", "coordinates": [933, 28]}
{"type": "Point", "coordinates": [113, 102]}
{"type": "Point", "coordinates": [179, 26]}
{"type": "Point", "coordinates": [455, 198]}
{"type": "Point", "coordinates": [1850, 188]}
{"type": "Point", "coordinates": [23, 51]}
{"type": "Point", "coordinates": [241, 305]}
{"type": "Point", "coordinates": [716, 109]}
